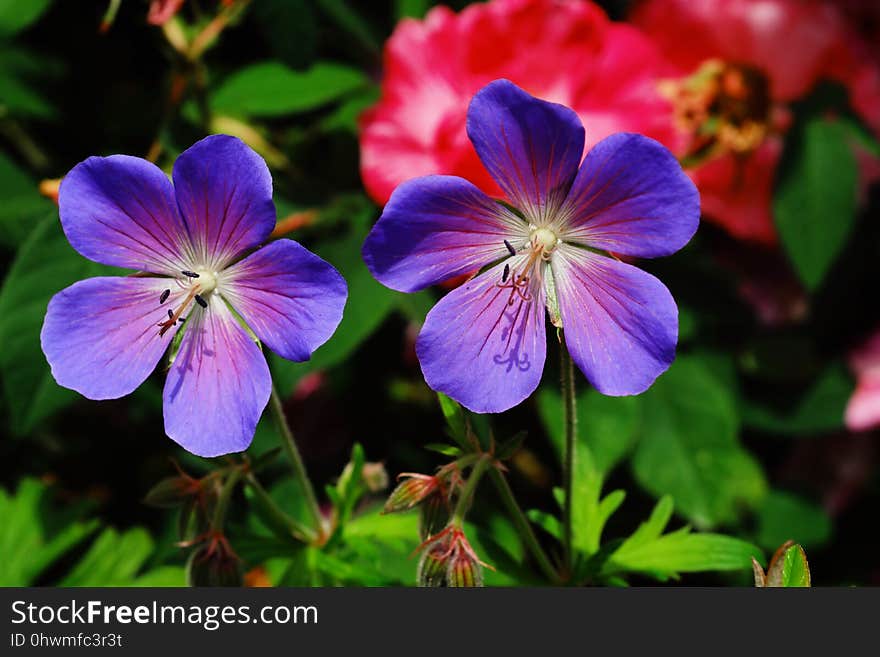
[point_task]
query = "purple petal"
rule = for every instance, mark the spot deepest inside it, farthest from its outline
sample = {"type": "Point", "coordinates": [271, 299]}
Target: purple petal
{"type": "Point", "coordinates": [289, 297]}
{"type": "Point", "coordinates": [218, 385]}
{"type": "Point", "coordinates": [631, 197]}
{"type": "Point", "coordinates": [101, 337]}
{"type": "Point", "coordinates": [479, 349]}
{"type": "Point", "coordinates": [437, 227]}
{"type": "Point", "coordinates": [531, 147]}
{"type": "Point", "coordinates": [224, 190]}
{"type": "Point", "coordinates": [121, 210]}
{"type": "Point", "coordinates": [620, 323]}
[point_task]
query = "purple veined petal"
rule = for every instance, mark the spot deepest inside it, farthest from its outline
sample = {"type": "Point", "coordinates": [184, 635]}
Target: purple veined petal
{"type": "Point", "coordinates": [484, 343]}
{"type": "Point", "coordinates": [218, 386]}
{"type": "Point", "coordinates": [121, 211]}
{"type": "Point", "coordinates": [531, 147]}
{"type": "Point", "coordinates": [631, 197]}
{"type": "Point", "coordinates": [436, 227]}
{"type": "Point", "coordinates": [620, 323]}
{"type": "Point", "coordinates": [224, 191]}
{"type": "Point", "coordinates": [289, 297]}
{"type": "Point", "coordinates": [101, 335]}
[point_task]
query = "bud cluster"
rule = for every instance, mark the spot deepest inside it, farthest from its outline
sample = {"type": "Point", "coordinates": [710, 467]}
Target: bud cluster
{"type": "Point", "coordinates": [449, 560]}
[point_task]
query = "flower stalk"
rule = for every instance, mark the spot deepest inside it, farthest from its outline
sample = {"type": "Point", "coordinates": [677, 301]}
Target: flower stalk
{"type": "Point", "coordinates": [569, 406]}
{"type": "Point", "coordinates": [288, 444]}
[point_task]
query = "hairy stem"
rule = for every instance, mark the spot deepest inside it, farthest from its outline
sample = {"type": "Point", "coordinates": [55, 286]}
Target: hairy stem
{"type": "Point", "coordinates": [288, 444]}
{"type": "Point", "coordinates": [219, 517]}
{"type": "Point", "coordinates": [297, 529]}
{"type": "Point", "coordinates": [523, 526]}
{"type": "Point", "coordinates": [569, 405]}
{"type": "Point", "coordinates": [470, 486]}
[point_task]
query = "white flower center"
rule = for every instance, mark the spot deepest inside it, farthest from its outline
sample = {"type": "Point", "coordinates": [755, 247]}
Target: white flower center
{"type": "Point", "coordinates": [544, 239]}
{"type": "Point", "coordinates": [207, 281]}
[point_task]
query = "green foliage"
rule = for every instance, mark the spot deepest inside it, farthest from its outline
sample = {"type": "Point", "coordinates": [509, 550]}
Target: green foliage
{"type": "Point", "coordinates": [689, 447]}
{"type": "Point", "coordinates": [45, 264]}
{"type": "Point", "coordinates": [795, 569]}
{"type": "Point", "coordinates": [36, 533]}
{"type": "Point", "coordinates": [22, 207]}
{"type": "Point", "coordinates": [819, 410]}
{"type": "Point", "coordinates": [608, 426]}
{"type": "Point", "coordinates": [16, 15]}
{"type": "Point", "coordinates": [270, 89]}
{"type": "Point", "coordinates": [783, 516]}
{"type": "Point", "coordinates": [815, 200]}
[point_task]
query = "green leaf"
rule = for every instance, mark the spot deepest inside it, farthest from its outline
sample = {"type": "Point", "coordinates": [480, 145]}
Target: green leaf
{"type": "Point", "coordinates": [34, 533]}
{"type": "Point", "coordinates": [794, 571]}
{"type": "Point", "coordinates": [689, 447]}
{"type": "Point", "coordinates": [608, 426]}
{"type": "Point", "coordinates": [785, 516]}
{"type": "Point", "coordinates": [22, 206]}
{"type": "Point", "coordinates": [15, 15]}
{"type": "Point", "coordinates": [456, 423]}
{"type": "Point", "coordinates": [819, 410]}
{"type": "Point", "coordinates": [45, 264]}
{"type": "Point", "coordinates": [411, 8]}
{"type": "Point", "coordinates": [271, 89]}
{"type": "Point", "coordinates": [114, 559]}
{"type": "Point", "coordinates": [683, 552]}
{"type": "Point", "coordinates": [815, 200]}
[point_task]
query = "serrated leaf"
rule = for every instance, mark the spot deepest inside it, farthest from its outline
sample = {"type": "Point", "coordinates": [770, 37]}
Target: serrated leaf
{"type": "Point", "coordinates": [815, 200]}
{"type": "Point", "coordinates": [270, 89]}
{"type": "Point", "coordinates": [683, 552]}
{"type": "Point", "coordinates": [689, 447]}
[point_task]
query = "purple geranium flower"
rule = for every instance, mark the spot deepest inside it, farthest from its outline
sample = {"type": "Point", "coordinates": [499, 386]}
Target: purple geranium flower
{"type": "Point", "coordinates": [104, 336]}
{"type": "Point", "coordinates": [549, 245]}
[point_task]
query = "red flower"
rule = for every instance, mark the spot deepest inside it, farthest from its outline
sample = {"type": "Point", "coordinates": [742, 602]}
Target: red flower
{"type": "Point", "coordinates": [564, 51]}
{"type": "Point", "coordinates": [863, 409]}
{"type": "Point", "coordinates": [739, 63]}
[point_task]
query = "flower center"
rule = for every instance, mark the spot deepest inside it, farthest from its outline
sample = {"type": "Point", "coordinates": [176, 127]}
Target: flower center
{"type": "Point", "coordinates": [543, 240]}
{"type": "Point", "coordinates": [199, 284]}
{"type": "Point", "coordinates": [724, 107]}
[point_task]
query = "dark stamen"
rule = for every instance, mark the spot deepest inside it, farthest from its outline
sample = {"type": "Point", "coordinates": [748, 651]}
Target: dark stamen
{"type": "Point", "coordinates": [507, 244]}
{"type": "Point", "coordinates": [164, 296]}
{"type": "Point", "coordinates": [170, 314]}
{"type": "Point", "coordinates": [201, 302]}
{"type": "Point", "coordinates": [505, 274]}
{"type": "Point", "coordinates": [182, 320]}
{"type": "Point", "coordinates": [189, 274]}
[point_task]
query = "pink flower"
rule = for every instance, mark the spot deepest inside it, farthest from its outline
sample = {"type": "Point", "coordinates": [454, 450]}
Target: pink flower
{"type": "Point", "coordinates": [863, 409]}
{"type": "Point", "coordinates": [567, 52]}
{"type": "Point", "coordinates": [162, 11]}
{"type": "Point", "coordinates": [740, 63]}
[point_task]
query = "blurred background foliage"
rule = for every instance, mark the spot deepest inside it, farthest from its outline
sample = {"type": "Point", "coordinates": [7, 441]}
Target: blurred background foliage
{"type": "Point", "coordinates": [744, 435]}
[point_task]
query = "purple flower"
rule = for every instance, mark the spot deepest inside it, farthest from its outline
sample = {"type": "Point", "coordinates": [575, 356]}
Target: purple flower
{"type": "Point", "coordinates": [548, 245]}
{"type": "Point", "coordinates": [104, 336]}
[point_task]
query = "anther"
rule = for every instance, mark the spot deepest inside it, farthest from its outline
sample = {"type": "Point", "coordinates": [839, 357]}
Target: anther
{"type": "Point", "coordinates": [170, 314]}
{"type": "Point", "coordinates": [510, 247]}
{"type": "Point", "coordinates": [505, 274]}
{"type": "Point", "coordinates": [189, 274]}
{"type": "Point", "coordinates": [164, 296]}
{"type": "Point", "coordinates": [201, 302]}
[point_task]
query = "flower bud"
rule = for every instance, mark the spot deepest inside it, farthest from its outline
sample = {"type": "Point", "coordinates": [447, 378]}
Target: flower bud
{"type": "Point", "coordinates": [433, 515]}
{"type": "Point", "coordinates": [411, 492]}
{"type": "Point", "coordinates": [433, 565]}
{"type": "Point", "coordinates": [214, 563]}
{"type": "Point", "coordinates": [463, 567]}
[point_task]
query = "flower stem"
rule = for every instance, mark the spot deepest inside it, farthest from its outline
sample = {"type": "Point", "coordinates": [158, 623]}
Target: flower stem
{"type": "Point", "coordinates": [299, 468]}
{"type": "Point", "coordinates": [569, 405]}
{"type": "Point", "coordinates": [467, 492]}
{"type": "Point", "coordinates": [219, 517]}
{"type": "Point", "coordinates": [523, 525]}
{"type": "Point", "coordinates": [298, 530]}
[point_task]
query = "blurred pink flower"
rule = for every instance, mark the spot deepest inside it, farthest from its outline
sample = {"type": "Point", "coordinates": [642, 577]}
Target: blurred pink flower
{"type": "Point", "coordinates": [162, 11]}
{"type": "Point", "coordinates": [740, 63]}
{"type": "Point", "coordinates": [863, 409]}
{"type": "Point", "coordinates": [567, 52]}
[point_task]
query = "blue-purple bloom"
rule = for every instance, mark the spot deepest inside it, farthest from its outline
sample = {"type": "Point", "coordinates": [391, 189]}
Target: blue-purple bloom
{"type": "Point", "coordinates": [549, 244]}
{"type": "Point", "coordinates": [193, 243]}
